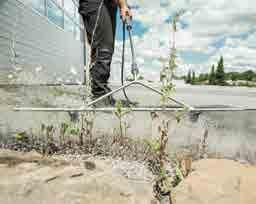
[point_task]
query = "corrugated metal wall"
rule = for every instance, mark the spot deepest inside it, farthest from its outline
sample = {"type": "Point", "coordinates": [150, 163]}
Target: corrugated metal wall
{"type": "Point", "coordinates": [34, 50]}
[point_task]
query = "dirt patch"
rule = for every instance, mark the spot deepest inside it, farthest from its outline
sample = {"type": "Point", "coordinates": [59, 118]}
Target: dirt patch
{"type": "Point", "coordinates": [218, 181]}
{"type": "Point", "coordinates": [26, 178]}
{"type": "Point", "coordinates": [12, 158]}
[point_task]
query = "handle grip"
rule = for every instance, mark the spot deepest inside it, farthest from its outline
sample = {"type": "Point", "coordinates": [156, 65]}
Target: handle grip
{"type": "Point", "coordinates": [128, 23]}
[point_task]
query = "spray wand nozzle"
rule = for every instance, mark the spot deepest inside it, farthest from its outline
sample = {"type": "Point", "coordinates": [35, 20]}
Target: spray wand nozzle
{"type": "Point", "coordinates": [128, 23]}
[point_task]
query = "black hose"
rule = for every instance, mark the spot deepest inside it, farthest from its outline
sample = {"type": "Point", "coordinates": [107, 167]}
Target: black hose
{"type": "Point", "coordinates": [122, 66]}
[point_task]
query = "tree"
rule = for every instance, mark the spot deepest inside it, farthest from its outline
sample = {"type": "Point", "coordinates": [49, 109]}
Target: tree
{"type": "Point", "coordinates": [220, 74]}
{"type": "Point", "coordinates": [202, 77]}
{"type": "Point", "coordinates": [234, 76]}
{"type": "Point", "coordinates": [193, 81]}
{"type": "Point", "coordinates": [247, 75]}
{"type": "Point", "coordinates": [188, 79]}
{"type": "Point", "coordinates": [212, 76]}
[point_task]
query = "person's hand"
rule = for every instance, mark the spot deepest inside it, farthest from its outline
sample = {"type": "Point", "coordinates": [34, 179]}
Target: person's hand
{"type": "Point", "coordinates": [125, 12]}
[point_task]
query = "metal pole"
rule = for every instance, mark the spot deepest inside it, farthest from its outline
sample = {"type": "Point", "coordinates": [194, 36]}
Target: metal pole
{"type": "Point", "coordinates": [110, 93]}
{"type": "Point", "coordinates": [39, 85]}
{"type": "Point", "coordinates": [142, 84]}
{"type": "Point", "coordinates": [140, 109]}
{"type": "Point", "coordinates": [161, 93]}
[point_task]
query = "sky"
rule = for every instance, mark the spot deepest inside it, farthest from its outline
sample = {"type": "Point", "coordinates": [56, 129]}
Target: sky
{"type": "Point", "coordinates": [206, 31]}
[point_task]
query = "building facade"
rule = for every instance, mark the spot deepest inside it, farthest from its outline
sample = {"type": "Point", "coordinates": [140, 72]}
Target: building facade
{"type": "Point", "coordinates": [41, 41]}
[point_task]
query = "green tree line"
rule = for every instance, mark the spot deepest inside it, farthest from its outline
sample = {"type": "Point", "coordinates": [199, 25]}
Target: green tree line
{"type": "Point", "coordinates": [218, 76]}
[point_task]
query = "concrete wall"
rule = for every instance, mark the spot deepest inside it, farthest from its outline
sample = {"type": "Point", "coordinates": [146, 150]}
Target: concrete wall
{"type": "Point", "coordinates": [33, 49]}
{"type": "Point", "coordinates": [230, 134]}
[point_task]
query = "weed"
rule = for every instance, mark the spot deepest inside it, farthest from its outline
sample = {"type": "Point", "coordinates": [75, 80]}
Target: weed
{"type": "Point", "coordinates": [86, 127]}
{"type": "Point", "coordinates": [168, 70]}
{"type": "Point", "coordinates": [158, 160]}
{"type": "Point", "coordinates": [164, 182]}
{"type": "Point", "coordinates": [63, 130]}
{"type": "Point", "coordinates": [119, 112]}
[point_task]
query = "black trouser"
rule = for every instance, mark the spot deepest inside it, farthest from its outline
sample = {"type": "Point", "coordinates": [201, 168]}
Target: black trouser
{"type": "Point", "coordinates": [103, 40]}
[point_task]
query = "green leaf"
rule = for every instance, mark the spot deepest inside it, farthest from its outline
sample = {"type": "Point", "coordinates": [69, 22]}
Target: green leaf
{"type": "Point", "coordinates": [20, 135]}
{"type": "Point", "coordinates": [179, 173]}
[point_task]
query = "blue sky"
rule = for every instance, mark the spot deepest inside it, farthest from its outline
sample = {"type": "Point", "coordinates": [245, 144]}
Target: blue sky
{"type": "Point", "coordinates": [207, 30]}
{"type": "Point", "coordinates": [139, 29]}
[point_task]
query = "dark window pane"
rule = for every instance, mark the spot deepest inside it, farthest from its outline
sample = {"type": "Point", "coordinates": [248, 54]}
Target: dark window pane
{"type": "Point", "coordinates": [54, 13]}
{"type": "Point", "coordinates": [38, 5]}
{"type": "Point", "coordinates": [69, 6]}
{"type": "Point", "coordinates": [68, 24]}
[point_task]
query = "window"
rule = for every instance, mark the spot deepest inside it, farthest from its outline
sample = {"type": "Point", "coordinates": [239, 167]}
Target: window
{"type": "Point", "coordinates": [38, 5]}
{"type": "Point", "coordinates": [54, 13]}
{"type": "Point", "coordinates": [63, 13]}
{"type": "Point", "coordinates": [69, 6]}
{"type": "Point", "coordinates": [68, 24]}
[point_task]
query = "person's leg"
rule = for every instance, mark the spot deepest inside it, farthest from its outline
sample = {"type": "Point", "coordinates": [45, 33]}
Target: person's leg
{"type": "Point", "coordinates": [102, 42]}
{"type": "Point", "coordinates": [112, 12]}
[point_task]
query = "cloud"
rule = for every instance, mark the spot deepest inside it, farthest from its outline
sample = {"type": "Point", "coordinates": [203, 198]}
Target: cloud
{"type": "Point", "coordinates": [239, 54]}
{"type": "Point", "coordinates": [208, 29]}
